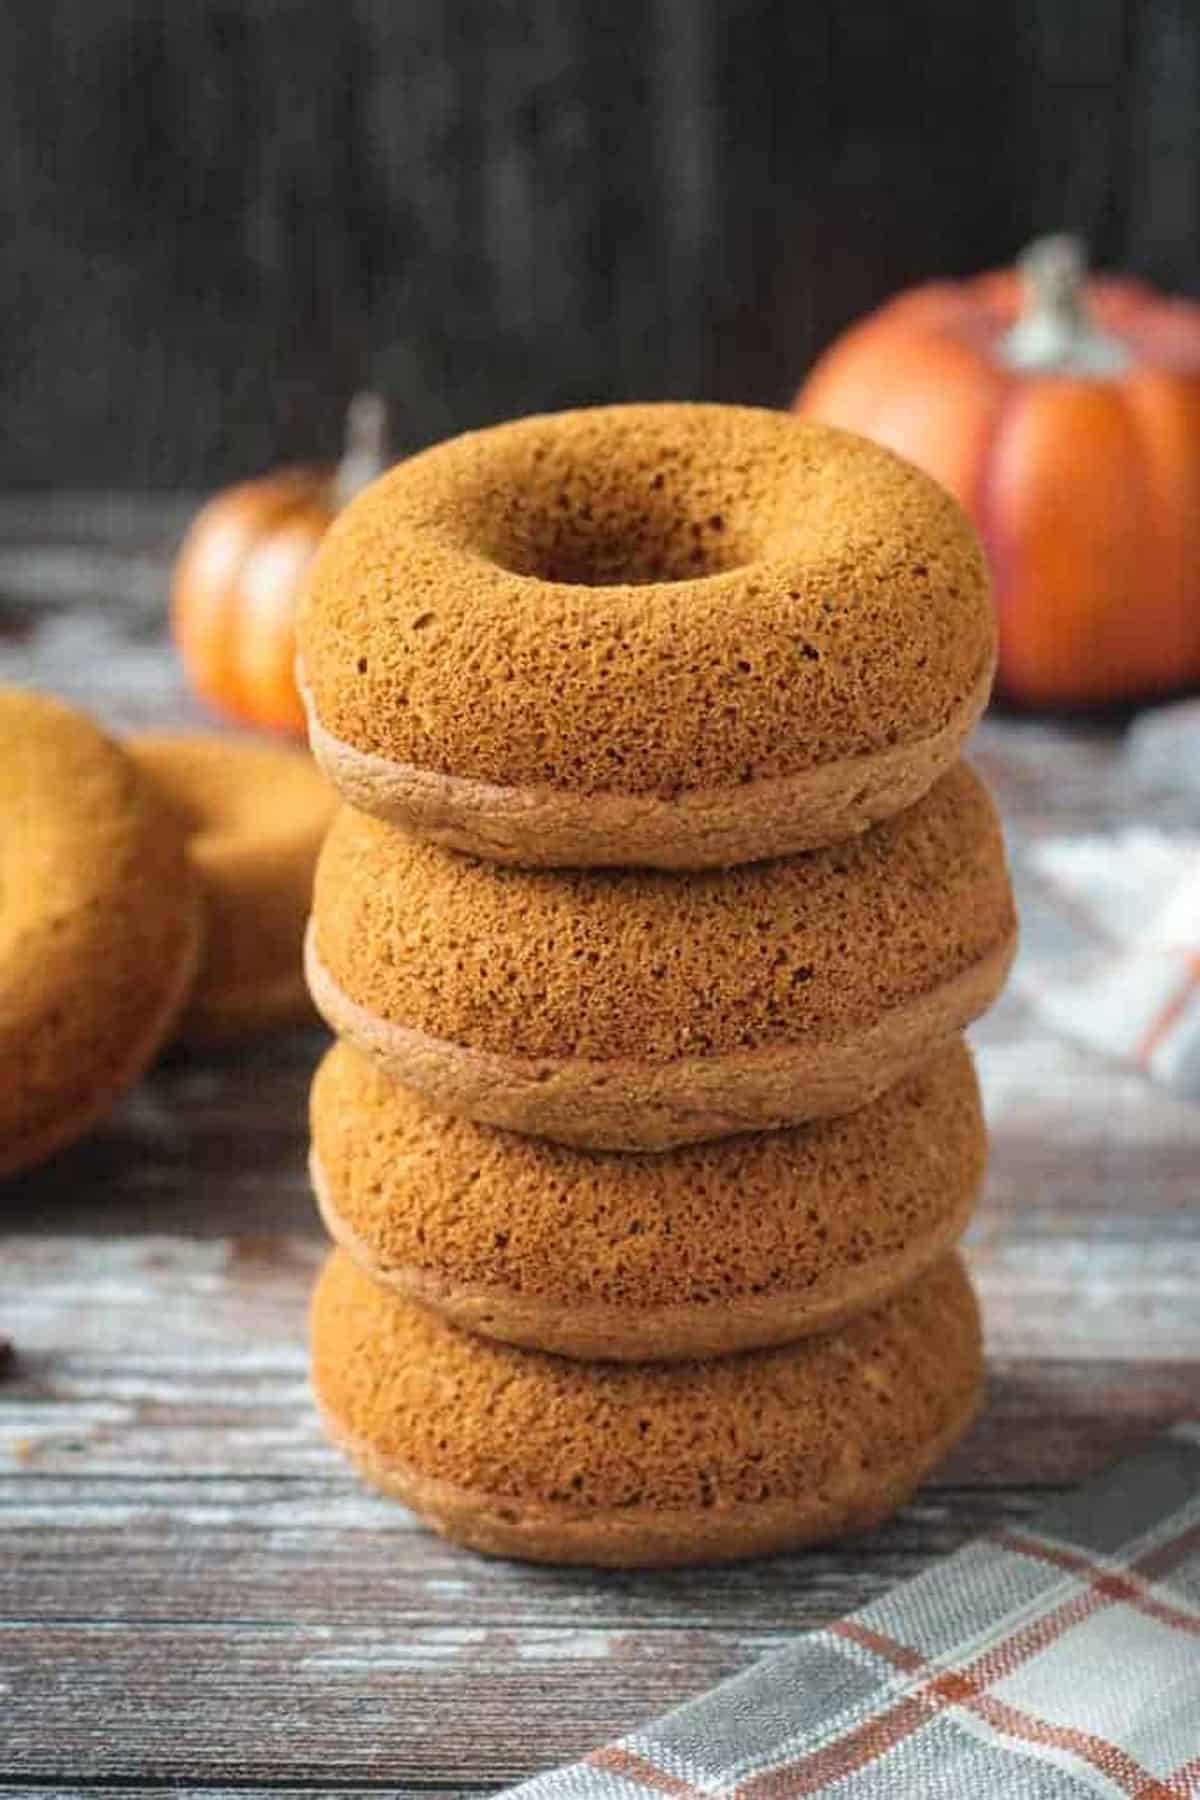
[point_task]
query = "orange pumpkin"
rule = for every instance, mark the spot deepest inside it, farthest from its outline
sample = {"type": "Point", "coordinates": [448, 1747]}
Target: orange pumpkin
{"type": "Point", "coordinates": [241, 567]}
{"type": "Point", "coordinates": [1064, 413]}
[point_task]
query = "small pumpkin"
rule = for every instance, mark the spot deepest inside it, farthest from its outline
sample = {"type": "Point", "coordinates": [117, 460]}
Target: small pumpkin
{"type": "Point", "coordinates": [242, 565]}
{"type": "Point", "coordinates": [1064, 413]}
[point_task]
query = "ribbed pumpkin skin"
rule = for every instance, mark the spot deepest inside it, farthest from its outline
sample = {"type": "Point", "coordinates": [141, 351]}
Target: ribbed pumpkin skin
{"type": "Point", "coordinates": [236, 585]}
{"type": "Point", "coordinates": [1085, 488]}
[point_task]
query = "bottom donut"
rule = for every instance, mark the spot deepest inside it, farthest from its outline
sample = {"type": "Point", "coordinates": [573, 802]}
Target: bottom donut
{"type": "Point", "coordinates": [520, 1453]}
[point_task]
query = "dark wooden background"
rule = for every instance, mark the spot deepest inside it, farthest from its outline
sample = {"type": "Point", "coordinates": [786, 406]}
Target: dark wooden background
{"type": "Point", "coordinates": [218, 217]}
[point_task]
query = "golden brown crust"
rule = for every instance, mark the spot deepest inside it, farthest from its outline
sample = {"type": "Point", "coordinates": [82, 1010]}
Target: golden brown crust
{"type": "Point", "coordinates": [254, 815]}
{"type": "Point", "coordinates": [642, 1009]}
{"type": "Point", "coordinates": [99, 925]}
{"type": "Point", "coordinates": [753, 1240]}
{"type": "Point", "coordinates": [645, 1538]}
{"type": "Point", "coordinates": [525, 1454]}
{"type": "Point", "coordinates": [703, 828]}
{"type": "Point", "coordinates": [499, 610]}
{"type": "Point", "coordinates": [649, 965]}
{"type": "Point", "coordinates": [625, 1104]}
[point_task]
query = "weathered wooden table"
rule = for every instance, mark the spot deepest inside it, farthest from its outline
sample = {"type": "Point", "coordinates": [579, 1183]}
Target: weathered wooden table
{"type": "Point", "coordinates": [196, 1594]}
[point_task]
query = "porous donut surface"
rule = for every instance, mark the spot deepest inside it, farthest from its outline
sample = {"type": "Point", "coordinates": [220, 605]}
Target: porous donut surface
{"type": "Point", "coordinates": [533, 1455]}
{"type": "Point", "coordinates": [100, 924]}
{"type": "Point", "coordinates": [751, 1240]}
{"type": "Point", "coordinates": [644, 964]}
{"type": "Point", "coordinates": [654, 607]}
{"type": "Point", "coordinates": [254, 815]}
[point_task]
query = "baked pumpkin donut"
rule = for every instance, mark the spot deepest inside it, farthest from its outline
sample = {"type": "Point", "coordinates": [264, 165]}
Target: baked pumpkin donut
{"type": "Point", "coordinates": [99, 925]}
{"type": "Point", "coordinates": [677, 636]}
{"type": "Point", "coordinates": [628, 1464]}
{"type": "Point", "coordinates": [721, 1247]}
{"type": "Point", "coordinates": [254, 816]}
{"type": "Point", "coordinates": [640, 1009]}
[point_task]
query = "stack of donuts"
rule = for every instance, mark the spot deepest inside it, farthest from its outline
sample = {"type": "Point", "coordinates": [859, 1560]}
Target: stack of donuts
{"type": "Point", "coordinates": [649, 931]}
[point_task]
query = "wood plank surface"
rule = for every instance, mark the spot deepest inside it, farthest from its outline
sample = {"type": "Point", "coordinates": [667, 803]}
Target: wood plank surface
{"type": "Point", "coordinates": [196, 1595]}
{"type": "Point", "coordinates": [220, 218]}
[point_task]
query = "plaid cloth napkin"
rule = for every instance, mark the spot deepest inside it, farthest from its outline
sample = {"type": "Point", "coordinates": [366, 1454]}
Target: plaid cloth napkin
{"type": "Point", "coordinates": [1058, 1661]}
{"type": "Point", "coordinates": [1133, 989]}
{"type": "Point", "coordinates": [1119, 968]}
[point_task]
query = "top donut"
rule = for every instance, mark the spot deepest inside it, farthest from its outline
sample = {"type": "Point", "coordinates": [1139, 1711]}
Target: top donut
{"type": "Point", "coordinates": [676, 636]}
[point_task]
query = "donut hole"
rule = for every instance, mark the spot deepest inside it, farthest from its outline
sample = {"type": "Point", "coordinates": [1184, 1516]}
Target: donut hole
{"type": "Point", "coordinates": [625, 528]}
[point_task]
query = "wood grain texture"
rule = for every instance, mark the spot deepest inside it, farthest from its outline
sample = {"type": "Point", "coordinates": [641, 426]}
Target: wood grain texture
{"type": "Point", "coordinates": [195, 1594]}
{"type": "Point", "coordinates": [221, 218]}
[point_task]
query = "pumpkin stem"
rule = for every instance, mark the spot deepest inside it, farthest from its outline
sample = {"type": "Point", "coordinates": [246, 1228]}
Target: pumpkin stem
{"type": "Point", "coordinates": [1054, 332]}
{"type": "Point", "coordinates": [366, 452]}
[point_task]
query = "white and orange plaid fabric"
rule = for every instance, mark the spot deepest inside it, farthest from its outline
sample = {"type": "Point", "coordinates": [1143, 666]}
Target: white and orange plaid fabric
{"type": "Point", "coordinates": [1057, 1662]}
{"type": "Point", "coordinates": [1114, 961]}
{"type": "Point", "coordinates": [1127, 979]}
